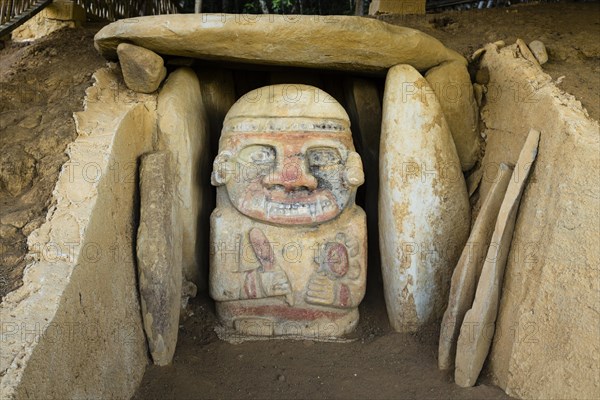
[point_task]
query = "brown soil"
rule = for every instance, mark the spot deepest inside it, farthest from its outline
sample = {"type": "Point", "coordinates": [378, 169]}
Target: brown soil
{"type": "Point", "coordinates": [379, 364]}
{"type": "Point", "coordinates": [43, 84]}
{"type": "Point", "coordinates": [570, 32]}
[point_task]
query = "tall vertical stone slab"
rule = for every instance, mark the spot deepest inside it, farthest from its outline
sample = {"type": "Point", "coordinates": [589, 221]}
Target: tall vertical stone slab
{"type": "Point", "coordinates": [452, 85]}
{"type": "Point", "coordinates": [467, 271]}
{"type": "Point", "coordinates": [183, 131]}
{"type": "Point", "coordinates": [218, 95]}
{"type": "Point", "coordinates": [364, 108]}
{"type": "Point", "coordinates": [159, 256]}
{"type": "Point", "coordinates": [424, 212]}
{"type": "Point", "coordinates": [478, 326]}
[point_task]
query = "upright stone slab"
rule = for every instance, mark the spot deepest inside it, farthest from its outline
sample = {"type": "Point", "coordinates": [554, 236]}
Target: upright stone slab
{"type": "Point", "coordinates": [452, 85]}
{"type": "Point", "coordinates": [466, 274]}
{"type": "Point", "coordinates": [478, 326]}
{"type": "Point", "coordinates": [364, 108]}
{"type": "Point", "coordinates": [218, 95]}
{"type": "Point", "coordinates": [183, 131]}
{"type": "Point", "coordinates": [424, 212]}
{"type": "Point", "coordinates": [159, 257]}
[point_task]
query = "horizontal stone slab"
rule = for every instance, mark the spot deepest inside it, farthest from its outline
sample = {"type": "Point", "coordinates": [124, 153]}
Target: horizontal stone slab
{"type": "Point", "coordinates": [344, 43]}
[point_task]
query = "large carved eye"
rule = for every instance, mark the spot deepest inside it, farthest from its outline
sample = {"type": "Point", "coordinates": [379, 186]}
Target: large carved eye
{"type": "Point", "coordinates": [258, 154]}
{"type": "Point", "coordinates": [323, 157]}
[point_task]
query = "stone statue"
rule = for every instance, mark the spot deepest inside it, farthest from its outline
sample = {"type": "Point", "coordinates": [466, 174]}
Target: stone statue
{"type": "Point", "coordinates": [288, 242]}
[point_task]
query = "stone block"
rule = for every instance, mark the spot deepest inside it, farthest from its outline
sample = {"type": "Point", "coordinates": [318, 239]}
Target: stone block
{"type": "Point", "coordinates": [183, 132]}
{"type": "Point", "coordinates": [361, 44]}
{"type": "Point", "coordinates": [65, 11]}
{"type": "Point", "coordinates": [452, 85]}
{"type": "Point", "coordinates": [159, 256]}
{"type": "Point", "coordinates": [424, 212]}
{"type": "Point", "coordinates": [547, 345]}
{"type": "Point", "coordinates": [143, 69]}
{"type": "Point", "coordinates": [538, 48]}
{"type": "Point", "coordinates": [57, 15]}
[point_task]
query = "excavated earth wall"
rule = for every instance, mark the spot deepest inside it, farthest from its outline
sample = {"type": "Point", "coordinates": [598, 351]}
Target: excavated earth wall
{"type": "Point", "coordinates": [73, 330]}
{"type": "Point", "coordinates": [546, 343]}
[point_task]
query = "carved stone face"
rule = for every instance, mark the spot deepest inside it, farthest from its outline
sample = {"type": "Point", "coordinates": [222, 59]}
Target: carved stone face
{"type": "Point", "coordinates": [288, 176]}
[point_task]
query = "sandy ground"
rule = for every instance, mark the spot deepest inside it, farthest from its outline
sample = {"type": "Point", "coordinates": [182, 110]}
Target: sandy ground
{"type": "Point", "coordinates": [43, 83]}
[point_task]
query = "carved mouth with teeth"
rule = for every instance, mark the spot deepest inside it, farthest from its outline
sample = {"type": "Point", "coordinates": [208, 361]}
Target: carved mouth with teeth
{"type": "Point", "coordinates": [291, 209]}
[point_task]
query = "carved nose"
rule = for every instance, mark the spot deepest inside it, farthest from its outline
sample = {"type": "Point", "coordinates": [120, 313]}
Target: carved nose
{"type": "Point", "coordinates": [292, 176]}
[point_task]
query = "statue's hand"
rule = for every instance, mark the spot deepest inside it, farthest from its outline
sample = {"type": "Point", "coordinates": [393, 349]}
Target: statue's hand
{"type": "Point", "coordinates": [275, 283]}
{"type": "Point", "coordinates": [320, 290]}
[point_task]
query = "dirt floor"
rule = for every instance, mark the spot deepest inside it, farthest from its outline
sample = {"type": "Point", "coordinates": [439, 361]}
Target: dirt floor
{"type": "Point", "coordinates": [378, 364]}
{"type": "Point", "coordinates": [43, 83]}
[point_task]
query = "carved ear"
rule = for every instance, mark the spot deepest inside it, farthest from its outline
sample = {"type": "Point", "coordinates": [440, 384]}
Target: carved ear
{"type": "Point", "coordinates": [221, 169]}
{"type": "Point", "coordinates": [354, 175]}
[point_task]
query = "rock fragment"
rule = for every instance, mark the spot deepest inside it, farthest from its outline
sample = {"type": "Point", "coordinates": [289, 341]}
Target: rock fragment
{"type": "Point", "coordinates": [538, 48]}
{"type": "Point", "coordinates": [143, 69]}
{"type": "Point", "coordinates": [526, 52]}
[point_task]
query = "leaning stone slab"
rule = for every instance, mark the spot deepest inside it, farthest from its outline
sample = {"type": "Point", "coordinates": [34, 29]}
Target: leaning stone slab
{"type": "Point", "coordinates": [345, 43]}
{"type": "Point", "coordinates": [466, 273]}
{"type": "Point", "coordinates": [183, 131]}
{"type": "Point", "coordinates": [424, 213]}
{"type": "Point", "coordinates": [452, 85]}
{"type": "Point", "coordinates": [478, 326]}
{"type": "Point", "coordinates": [143, 69]}
{"type": "Point", "coordinates": [159, 257]}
